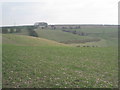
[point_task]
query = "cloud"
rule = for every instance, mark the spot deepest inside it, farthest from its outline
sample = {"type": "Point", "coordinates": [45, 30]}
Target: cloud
{"type": "Point", "coordinates": [61, 11]}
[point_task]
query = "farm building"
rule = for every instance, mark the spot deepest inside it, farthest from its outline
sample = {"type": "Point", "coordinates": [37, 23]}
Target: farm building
{"type": "Point", "coordinates": [41, 25]}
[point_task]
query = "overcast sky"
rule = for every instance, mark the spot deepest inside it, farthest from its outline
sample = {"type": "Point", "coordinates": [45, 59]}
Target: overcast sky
{"type": "Point", "coordinates": [23, 12]}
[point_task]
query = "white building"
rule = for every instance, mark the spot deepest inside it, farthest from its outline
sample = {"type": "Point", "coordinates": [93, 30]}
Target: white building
{"type": "Point", "coordinates": [41, 25]}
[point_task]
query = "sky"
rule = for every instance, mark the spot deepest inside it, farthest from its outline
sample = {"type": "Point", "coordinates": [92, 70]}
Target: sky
{"type": "Point", "coordinates": [24, 12]}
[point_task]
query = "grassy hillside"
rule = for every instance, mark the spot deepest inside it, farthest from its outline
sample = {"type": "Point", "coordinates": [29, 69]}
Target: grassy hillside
{"type": "Point", "coordinates": [64, 37]}
{"type": "Point", "coordinates": [108, 36]}
{"type": "Point", "coordinates": [36, 62]}
{"type": "Point", "coordinates": [28, 41]}
{"type": "Point", "coordinates": [100, 37]}
{"type": "Point", "coordinates": [97, 30]}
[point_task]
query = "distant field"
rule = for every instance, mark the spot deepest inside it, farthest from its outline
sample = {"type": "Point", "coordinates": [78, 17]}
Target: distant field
{"type": "Point", "coordinates": [37, 62]}
{"type": "Point", "coordinates": [64, 37]}
{"type": "Point", "coordinates": [100, 37]}
{"type": "Point", "coordinates": [97, 30]}
{"type": "Point", "coordinates": [107, 36]}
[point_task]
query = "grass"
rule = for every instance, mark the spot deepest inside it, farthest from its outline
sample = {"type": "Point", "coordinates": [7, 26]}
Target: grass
{"type": "Point", "coordinates": [101, 43]}
{"type": "Point", "coordinates": [104, 36]}
{"type": "Point", "coordinates": [97, 30]}
{"type": "Point", "coordinates": [32, 62]}
{"type": "Point", "coordinates": [41, 63]}
{"type": "Point", "coordinates": [108, 36]}
{"type": "Point", "coordinates": [28, 41]}
{"type": "Point", "coordinates": [60, 36]}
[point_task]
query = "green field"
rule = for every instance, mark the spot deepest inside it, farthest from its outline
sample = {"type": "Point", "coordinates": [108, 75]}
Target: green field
{"type": "Point", "coordinates": [61, 36]}
{"type": "Point", "coordinates": [22, 40]}
{"type": "Point", "coordinates": [107, 36]}
{"type": "Point", "coordinates": [39, 62]}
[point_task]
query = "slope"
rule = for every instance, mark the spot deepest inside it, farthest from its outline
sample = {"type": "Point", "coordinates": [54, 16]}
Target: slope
{"type": "Point", "coordinates": [28, 40]}
{"type": "Point", "coordinates": [64, 37]}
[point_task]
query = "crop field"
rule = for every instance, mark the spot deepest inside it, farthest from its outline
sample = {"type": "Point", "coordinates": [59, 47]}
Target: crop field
{"type": "Point", "coordinates": [43, 62]}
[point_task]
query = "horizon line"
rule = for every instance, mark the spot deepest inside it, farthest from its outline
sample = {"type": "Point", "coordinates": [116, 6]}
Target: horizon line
{"type": "Point", "coordinates": [54, 24]}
